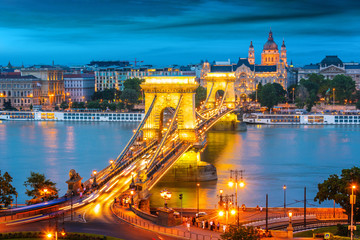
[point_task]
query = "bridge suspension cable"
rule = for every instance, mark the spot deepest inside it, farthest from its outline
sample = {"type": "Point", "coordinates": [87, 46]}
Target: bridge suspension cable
{"type": "Point", "coordinates": [207, 98]}
{"type": "Point", "coordinates": [133, 138]}
{"type": "Point", "coordinates": [151, 164]}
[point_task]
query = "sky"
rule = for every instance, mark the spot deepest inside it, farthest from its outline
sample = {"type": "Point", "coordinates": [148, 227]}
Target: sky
{"type": "Point", "coordinates": [159, 32]}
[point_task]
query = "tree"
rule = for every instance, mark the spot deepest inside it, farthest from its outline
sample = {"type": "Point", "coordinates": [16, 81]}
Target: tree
{"type": "Point", "coordinates": [268, 96]}
{"type": "Point", "coordinates": [31, 107]}
{"type": "Point", "coordinates": [301, 95]}
{"type": "Point", "coordinates": [41, 189]}
{"type": "Point", "coordinates": [240, 233]}
{"type": "Point", "coordinates": [339, 189]}
{"type": "Point", "coordinates": [7, 105]}
{"type": "Point", "coordinates": [133, 83]}
{"type": "Point", "coordinates": [200, 95]}
{"type": "Point", "coordinates": [129, 97]}
{"type": "Point", "coordinates": [64, 105]}
{"type": "Point", "coordinates": [93, 105]}
{"type": "Point", "coordinates": [344, 87]}
{"type": "Point", "coordinates": [280, 92]}
{"type": "Point", "coordinates": [107, 94]}
{"type": "Point", "coordinates": [358, 104]}
{"type": "Point", "coordinates": [7, 191]}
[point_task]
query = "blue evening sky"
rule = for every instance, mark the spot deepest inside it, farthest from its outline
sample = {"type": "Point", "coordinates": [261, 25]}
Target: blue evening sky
{"type": "Point", "coordinates": [174, 31]}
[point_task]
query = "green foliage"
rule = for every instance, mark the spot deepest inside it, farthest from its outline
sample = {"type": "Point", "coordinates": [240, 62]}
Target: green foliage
{"type": "Point", "coordinates": [252, 96]}
{"type": "Point", "coordinates": [93, 105]}
{"type": "Point", "coordinates": [342, 230]}
{"type": "Point", "coordinates": [7, 191]}
{"type": "Point", "coordinates": [344, 87]}
{"type": "Point", "coordinates": [78, 105]}
{"type": "Point", "coordinates": [37, 183]}
{"type": "Point", "coordinates": [31, 107]}
{"type": "Point", "coordinates": [358, 104]}
{"type": "Point", "coordinates": [7, 106]}
{"type": "Point", "coordinates": [240, 233]}
{"type": "Point", "coordinates": [339, 189]}
{"type": "Point", "coordinates": [129, 97]}
{"type": "Point", "coordinates": [268, 96]}
{"type": "Point", "coordinates": [280, 93]}
{"type": "Point", "coordinates": [133, 83]}
{"type": "Point", "coordinates": [200, 95]}
{"type": "Point", "coordinates": [108, 94]}
{"type": "Point", "coordinates": [64, 105]}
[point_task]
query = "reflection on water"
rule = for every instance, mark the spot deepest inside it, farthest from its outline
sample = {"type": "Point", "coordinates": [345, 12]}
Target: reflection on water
{"type": "Point", "coordinates": [270, 155]}
{"type": "Point", "coordinates": [54, 148]}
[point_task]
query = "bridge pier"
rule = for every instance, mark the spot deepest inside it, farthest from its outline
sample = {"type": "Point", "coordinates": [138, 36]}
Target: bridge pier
{"type": "Point", "coordinates": [227, 122]}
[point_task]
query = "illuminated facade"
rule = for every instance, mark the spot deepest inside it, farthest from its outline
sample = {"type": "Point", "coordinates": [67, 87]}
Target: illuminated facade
{"type": "Point", "coordinates": [52, 83]}
{"type": "Point", "coordinates": [220, 81]}
{"type": "Point", "coordinates": [273, 69]}
{"type": "Point", "coordinates": [21, 91]}
{"type": "Point", "coordinates": [331, 66]}
{"type": "Point", "coordinates": [114, 77]}
{"type": "Point", "coordinates": [170, 92]}
{"type": "Point", "coordinates": [79, 87]}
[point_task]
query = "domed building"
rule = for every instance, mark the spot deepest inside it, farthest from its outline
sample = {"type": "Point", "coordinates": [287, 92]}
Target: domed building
{"type": "Point", "coordinates": [273, 68]}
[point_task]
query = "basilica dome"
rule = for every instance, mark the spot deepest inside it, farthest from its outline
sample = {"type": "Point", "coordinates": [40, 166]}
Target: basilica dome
{"type": "Point", "coordinates": [270, 44]}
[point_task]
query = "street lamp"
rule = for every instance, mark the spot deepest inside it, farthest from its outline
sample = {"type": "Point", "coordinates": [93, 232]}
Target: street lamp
{"type": "Point", "coordinates": [45, 191]}
{"type": "Point", "coordinates": [352, 202]}
{"type": "Point", "coordinates": [166, 195]}
{"type": "Point", "coordinates": [237, 182]}
{"type": "Point", "coordinates": [111, 163]}
{"type": "Point", "coordinates": [94, 173]}
{"type": "Point", "coordinates": [333, 96]}
{"type": "Point", "coordinates": [132, 196]}
{"type": "Point", "coordinates": [284, 187]}
{"type": "Point", "coordinates": [197, 196]}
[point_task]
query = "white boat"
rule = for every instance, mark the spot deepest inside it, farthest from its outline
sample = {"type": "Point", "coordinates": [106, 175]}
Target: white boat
{"type": "Point", "coordinates": [71, 116]}
{"type": "Point", "coordinates": [302, 119]}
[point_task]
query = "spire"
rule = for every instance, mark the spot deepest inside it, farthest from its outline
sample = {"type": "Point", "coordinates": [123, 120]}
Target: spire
{"type": "Point", "coordinates": [9, 65]}
{"type": "Point", "coordinates": [251, 45]}
{"type": "Point", "coordinates": [270, 36]}
{"type": "Point", "coordinates": [283, 45]}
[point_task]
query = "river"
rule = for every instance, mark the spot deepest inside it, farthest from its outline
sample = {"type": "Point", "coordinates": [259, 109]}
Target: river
{"type": "Point", "coordinates": [272, 156]}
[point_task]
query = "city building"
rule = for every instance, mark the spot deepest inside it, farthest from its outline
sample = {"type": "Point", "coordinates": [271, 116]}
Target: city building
{"type": "Point", "coordinates": [52, 83]}
{"type": "Point", "coordinates": [79, 87]}
{"type": "Point", "coordinates": [114, 77]}
{"type": "Point", "coordinates": [331, 66]}
{"type": "Point", "coordinates": [273, 68]}
{"type": "Point", "coordinates": [21, 91]}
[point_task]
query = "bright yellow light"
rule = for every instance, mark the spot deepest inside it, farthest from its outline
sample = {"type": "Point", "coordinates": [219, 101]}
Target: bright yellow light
{"type": "Point", "coordinates": [353, 186]}
{"type": "Point", "coordinates": [221, 191]}
{"type": "Point", "coordinates": [132, 192]}
{"type": "Point", "coordinates": [231, 184]}
{"type": "Point", "coordinates": [232, 211]}
{"type": "Point", "coordinates": [49, 235]}
{"type": "Point", "coordinates": [97, 208]}
{"type": "Point", "coordinates": [63, 233]}
{"type": "Point", "coordinates": [111, 161]}
{"type": "Point", "coordinates": [284, 187]}
{"type": "Point", "coordinates": [221, 213]}
{"type": "Point", "coordinates": [290, 214]}
{"type": "Point", "coordinates": [242, 184]}
{"type": "Point", "coordinates": [94, 172]}
{"type": "Point", "coordinates": [198, 184]}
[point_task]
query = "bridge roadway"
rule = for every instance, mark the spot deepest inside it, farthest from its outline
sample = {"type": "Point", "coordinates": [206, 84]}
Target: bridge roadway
{"type": "Point", "coordinates": [94, 209]}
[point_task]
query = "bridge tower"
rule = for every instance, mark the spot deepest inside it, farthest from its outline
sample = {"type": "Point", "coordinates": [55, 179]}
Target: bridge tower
{"type": "Point", "coordinates": [163, 92]}
{"type": "Point", "coordinates": [224, 81]}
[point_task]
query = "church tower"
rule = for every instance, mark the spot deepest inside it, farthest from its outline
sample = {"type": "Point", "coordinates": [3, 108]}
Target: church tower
{"type": "Point", "coordinates": [251, 55]}
{"type": "Point", "coordinates": [283, 53]}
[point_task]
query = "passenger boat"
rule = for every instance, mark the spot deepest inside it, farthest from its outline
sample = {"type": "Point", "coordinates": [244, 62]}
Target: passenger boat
{"type": "Point", "coordinates": [303, 119]}
{"type": "Point", "coordinates": [71, 116]}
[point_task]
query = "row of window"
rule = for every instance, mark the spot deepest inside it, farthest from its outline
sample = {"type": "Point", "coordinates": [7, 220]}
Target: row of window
{"type": "Point", "coordinates": [347, 117]}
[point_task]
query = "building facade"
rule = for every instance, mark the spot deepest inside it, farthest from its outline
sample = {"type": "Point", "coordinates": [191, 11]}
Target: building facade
{"type": "Point", "coordinates": [52, 83]}
{"type": "Point", "coordinates": [331, 66]}
{"type": "Point", "coordinates": [273, 68]}
{"type": "Point", "coordinates": [114, 77]}
{"type": "Point", "coordinates": [79, 87]}
{"type": "Point", "coordinates": [21, 91]}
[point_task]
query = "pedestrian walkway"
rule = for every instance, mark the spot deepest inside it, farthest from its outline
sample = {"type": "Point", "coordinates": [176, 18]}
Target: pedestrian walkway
{"type": "Point", "coordinates": [180, 231]}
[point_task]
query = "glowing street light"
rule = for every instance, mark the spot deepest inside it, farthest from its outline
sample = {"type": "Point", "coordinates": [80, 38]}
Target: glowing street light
{"type": "Point", "coordinates": [221, 213]}
{"type": "Point", "coordinates": [284, 187]}
{"type": "Point", "coordinates": [352, 202]}
{"type": "Point", "coordinates": [166, 195]}
{"type": "Point", "coordinates": [233, 211]}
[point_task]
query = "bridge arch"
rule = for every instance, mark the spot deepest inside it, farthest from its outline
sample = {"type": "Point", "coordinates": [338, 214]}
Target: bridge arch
{"type": "Point", "coordinates": [170, 92]}
{"type": "Point", "coordinates": [220, 81]}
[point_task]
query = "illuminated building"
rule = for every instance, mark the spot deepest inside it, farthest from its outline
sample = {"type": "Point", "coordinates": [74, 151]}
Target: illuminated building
{"type": "Point", "coordinates": [331, 66]}
{"type": "Point", "coordinates": [114, 77]}
{"type": "Point", "coordinates": [21, 91]}
{"type": "Point", "coordinates": [79, 87]}
{"type": "Point", "coordinates": [273, 68]}
{"type": "Point", "coordinates": [52, 83]}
